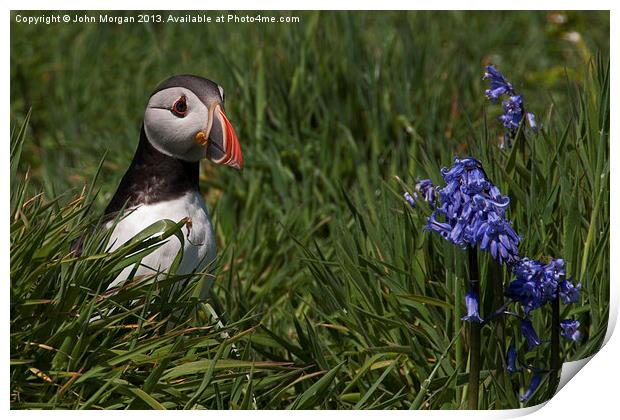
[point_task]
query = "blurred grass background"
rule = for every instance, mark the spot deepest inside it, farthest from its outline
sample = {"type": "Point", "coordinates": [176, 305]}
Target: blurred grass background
{"type": "Point", "coordinates": [332, 294]}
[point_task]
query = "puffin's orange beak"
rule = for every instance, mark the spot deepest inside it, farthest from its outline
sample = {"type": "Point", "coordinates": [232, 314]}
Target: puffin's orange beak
{"type": "Point", "coordinates": [222, 144]}
{"type": "Point", "coordinates": [234, 157]}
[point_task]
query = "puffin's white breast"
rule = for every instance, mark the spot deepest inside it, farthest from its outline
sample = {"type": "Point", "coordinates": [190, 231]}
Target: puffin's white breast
{"type": "Point", "coordinates": [199, 241]}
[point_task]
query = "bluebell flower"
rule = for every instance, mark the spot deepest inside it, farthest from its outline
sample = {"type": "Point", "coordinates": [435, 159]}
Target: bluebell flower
{"type": "Point", "coordinates": [471, 302]}
{"type": "Point", "coordinates": [497, 236]}
{"type": "Point", "coordinates": [531, 120]}
{"type": "Point", "coordinates": [424, 188]}
{"type": "Point", "coordinates": [409, 199]}
{"type": "Point", "coordinates": [555, 268]}
{"type": "Point", "coordinates": [570, 330]}
{"type": "Point", "coordinates": [474, 181]}
{"type": "Point", "coordinates": [499, 85]}
{"type": "Point", "coordinates": [427, 190]}
{"type": "Point", "coordinates": [550, 281]}
{"type": "Point", "coordinates": [511, 360]}
{"type": "Point", "coordinates": [433, 225]}
{"type": "Point", "coordinates": [453, 202]}
{"type": "Point", "coordinates": [460, 166]}
{"type": "Point", "coordinates": [536, 283]}
{"type": "Point", "coordinates": [527, 329]}
{"type": "Point", "coordinates": [513, 113]}
{"type": "Point", "coordinates": [525, 292]}
{"type": "Point", "coordinates": [533, 386]}
{"type": "Point", "coordinates": [492, 201]}
{"type": "Point", "coordinates": [458, 234]}
{"type": "Point", "coordinates": [568, 292]}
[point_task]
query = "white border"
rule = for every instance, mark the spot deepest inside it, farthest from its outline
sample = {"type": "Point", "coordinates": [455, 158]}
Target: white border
{"type": "Point", "coordinates": [315, 5]}
{"type": "Point", "coordinates": [592, 394]}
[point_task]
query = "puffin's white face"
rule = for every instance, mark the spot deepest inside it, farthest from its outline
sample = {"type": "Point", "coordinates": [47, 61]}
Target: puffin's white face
{"type": "Point", "coordinates": [172, 119]}
{"type": "Point", "coordinates": [179, 124]}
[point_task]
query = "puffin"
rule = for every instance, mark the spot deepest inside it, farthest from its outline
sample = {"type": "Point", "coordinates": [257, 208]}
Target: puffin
{"type": "Point", "coordinates": [184, 122]}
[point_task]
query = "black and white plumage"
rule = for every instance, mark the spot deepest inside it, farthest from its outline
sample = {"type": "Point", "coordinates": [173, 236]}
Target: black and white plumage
{"type": "Point", "coordinates": [184, 122]}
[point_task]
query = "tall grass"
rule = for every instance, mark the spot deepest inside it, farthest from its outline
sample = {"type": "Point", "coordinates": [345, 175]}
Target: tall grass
{"type": "Point", "coordinates": [327, 293]}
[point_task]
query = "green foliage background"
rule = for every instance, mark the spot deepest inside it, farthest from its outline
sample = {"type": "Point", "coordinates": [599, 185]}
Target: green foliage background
{"type": "Point", "coordinates": [330, 294]}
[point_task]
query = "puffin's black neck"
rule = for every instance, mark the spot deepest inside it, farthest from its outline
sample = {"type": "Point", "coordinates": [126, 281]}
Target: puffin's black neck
{"type": "Point", "coordinates": [153, 177]}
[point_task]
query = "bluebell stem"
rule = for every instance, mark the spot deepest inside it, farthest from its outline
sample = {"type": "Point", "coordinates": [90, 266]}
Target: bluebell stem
{"type": "Point", "coordinates": [533, 386]}
{"type": "Point", "coordinates": [570, 330]}
{"type": "Point", "coordinates": [530, 334]}
{"type": "Point", "coordinates": [474, 330]}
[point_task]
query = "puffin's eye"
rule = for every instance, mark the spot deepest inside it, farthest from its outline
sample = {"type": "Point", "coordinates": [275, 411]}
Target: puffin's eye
{"type": "Point", "coordinates": [180, 107]}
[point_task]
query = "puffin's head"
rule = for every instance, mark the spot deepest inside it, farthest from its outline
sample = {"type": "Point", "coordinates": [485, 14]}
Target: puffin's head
{"type": "Point", "coordinates": [185, 119]}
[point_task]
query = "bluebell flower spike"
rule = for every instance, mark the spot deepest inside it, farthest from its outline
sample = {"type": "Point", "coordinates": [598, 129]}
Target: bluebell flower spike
{"type": "Point", "coordinates": [513, 106]}
{"type": "Point", "coordinates": [474, 212]}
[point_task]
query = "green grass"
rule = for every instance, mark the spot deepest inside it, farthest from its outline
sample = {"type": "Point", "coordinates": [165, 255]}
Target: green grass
{"type": "Point", "coordinates": [329, 293]}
